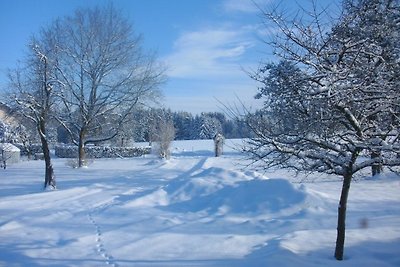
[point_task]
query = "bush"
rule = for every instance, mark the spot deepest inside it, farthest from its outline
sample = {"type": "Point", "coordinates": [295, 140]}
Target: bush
{"type": "Point", "coordinates": [73, 163]}
{"type": "Point", "coordinates": [163, 136]}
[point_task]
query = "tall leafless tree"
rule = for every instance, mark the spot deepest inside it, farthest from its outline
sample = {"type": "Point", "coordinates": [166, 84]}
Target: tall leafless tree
{"type": "Point", "coordinates": [332, 102]}
{"type": "Point", "coordinates": [33, 96]}
{"type": "Point", "coordinates": [104, 71]}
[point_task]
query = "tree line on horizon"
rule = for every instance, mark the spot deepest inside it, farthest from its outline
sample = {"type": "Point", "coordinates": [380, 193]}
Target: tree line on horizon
{"type": "Point", "coordinates": [187, 126]}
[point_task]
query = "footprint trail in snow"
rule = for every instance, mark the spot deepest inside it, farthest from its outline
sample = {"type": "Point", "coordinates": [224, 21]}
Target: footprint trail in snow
{"type": "Point", "coordinates": [109, 260]}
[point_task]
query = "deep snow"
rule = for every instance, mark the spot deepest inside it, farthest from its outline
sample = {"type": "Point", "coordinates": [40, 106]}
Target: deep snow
{"type": "Point", "coordinates": [193, 210]}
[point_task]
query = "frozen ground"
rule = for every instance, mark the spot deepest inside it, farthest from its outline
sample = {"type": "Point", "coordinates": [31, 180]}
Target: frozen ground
{"type": "Point", "coordinates": [193, 210]}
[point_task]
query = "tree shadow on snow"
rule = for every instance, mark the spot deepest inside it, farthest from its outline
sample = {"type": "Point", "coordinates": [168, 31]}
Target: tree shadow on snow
{"type": "Point", "coordinates": [368, 253]}
{"type": "Point", "coordinates": [10, 255]}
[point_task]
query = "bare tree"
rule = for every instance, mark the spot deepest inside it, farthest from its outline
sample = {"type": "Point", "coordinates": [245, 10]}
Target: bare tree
{"type": "Point", "coordinates": [33, 96]}
{"type": "Point", "coordinates": [332, 102]}
{"type": "Point", "coordinates": [105, 73]}
{"type": "Point", "coordinates": [162, 133]}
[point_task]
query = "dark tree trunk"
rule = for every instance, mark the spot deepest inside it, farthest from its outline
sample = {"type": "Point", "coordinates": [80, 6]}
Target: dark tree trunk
{"type": "Point", "coordinates": [341, 226]}
{"type": "Point", "coordinates": [49, 178]}
{"type": "Point", "coordinates": [3, 159]}
{"type": "Point", "coordinates": [81, 149]}
{"type": "Point", "coordinates": [218, 144]}
{"type": "Point", "coordinates": [376, 167]}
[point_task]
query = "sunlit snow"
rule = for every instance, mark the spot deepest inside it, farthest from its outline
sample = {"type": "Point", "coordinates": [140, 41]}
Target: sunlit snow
{"type": "Point", "coordinates": [192, 210]}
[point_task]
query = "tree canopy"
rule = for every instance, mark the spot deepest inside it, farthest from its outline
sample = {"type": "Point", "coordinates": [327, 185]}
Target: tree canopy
{"type": "Point", "coordinates": [332, 102]}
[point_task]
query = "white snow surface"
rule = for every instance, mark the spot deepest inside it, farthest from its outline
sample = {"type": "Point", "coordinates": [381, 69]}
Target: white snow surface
{"type": "Point", "coordinates": [192, 210]}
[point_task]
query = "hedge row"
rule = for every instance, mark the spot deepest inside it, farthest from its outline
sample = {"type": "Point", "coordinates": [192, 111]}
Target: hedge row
{"type": "Point", "coordinates": [32, 149]}
{"type": "Point", "coordinates": [66, 151]}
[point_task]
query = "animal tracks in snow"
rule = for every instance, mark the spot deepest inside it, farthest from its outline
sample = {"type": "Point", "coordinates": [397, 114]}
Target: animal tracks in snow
{"type": "Point", "coordinates": [109, 260]}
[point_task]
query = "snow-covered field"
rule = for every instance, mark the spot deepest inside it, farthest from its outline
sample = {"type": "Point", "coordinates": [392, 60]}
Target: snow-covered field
{"type": "Point", "coordinates": [193, 210]}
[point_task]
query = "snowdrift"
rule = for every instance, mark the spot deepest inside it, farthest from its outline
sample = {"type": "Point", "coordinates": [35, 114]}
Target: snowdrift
{"type": "Point", "coordinates": [215, 190]}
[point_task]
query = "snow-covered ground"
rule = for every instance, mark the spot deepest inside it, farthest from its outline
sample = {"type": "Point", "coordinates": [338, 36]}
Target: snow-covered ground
{"type": "Point", "coordinates": [193, 210]}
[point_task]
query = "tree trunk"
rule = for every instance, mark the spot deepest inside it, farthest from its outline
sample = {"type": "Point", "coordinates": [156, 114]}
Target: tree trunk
{"type": "Point", "coordinates": [81, 149]}
{"type": "Point", "coordinates": [376, 167]}
{"type": "Point", "coordinates": [49, 178]}
{"type": "Point", "coordinates": [341, 226]}
{"type": "Point", "coordinates": [218, 144]}
{"type": "Point", "coordinates": [3, 159]}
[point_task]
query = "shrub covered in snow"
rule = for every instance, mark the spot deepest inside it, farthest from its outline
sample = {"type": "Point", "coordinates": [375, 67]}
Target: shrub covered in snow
{"type": "Point", "coordinates": [29, 149]}
{"type": "Point", "coordinates": [68, 151]}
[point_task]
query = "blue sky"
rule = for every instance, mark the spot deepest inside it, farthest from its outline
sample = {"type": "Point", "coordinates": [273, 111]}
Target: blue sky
{"type": "Point", "coordinates": [206, 44]}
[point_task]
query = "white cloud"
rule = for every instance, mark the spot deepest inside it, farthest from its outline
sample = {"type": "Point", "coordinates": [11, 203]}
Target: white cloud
{"type": "Point", "coordinates": [208, 53]}
{"type": "Point", "coordinates": [214, 97]}
{"type": "Point", "coordinates": [246, 6]}
{"type": "Point", "coordinates": [207, 63]}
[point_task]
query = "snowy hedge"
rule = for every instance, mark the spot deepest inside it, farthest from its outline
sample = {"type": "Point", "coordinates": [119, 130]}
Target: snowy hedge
{"type": "Point", "coordinates": [32, 149]}
{"type": "Point", "coordinates": [67, 151]}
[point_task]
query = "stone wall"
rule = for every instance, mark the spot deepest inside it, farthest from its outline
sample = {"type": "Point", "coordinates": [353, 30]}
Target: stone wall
{"type": "Point", "coordinates": [68, 151]}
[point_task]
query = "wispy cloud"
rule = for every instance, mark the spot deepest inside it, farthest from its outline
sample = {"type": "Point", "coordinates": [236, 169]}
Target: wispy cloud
{"type": "Point", "coordinates": [208, 53]}
{"type": "Point", "coordinates": [213, 96]}
{"type": "Point", "coordinates": [245, 6]}
{"type": "Point", "coordinates": [211, 60]}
